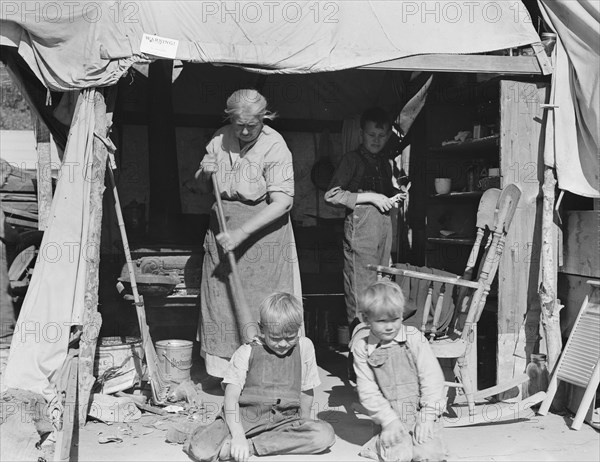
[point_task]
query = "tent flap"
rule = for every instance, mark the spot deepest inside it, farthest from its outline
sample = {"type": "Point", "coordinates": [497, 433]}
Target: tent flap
{"type": "Point", "coordinates": [573, 130]}
{"type": "Point", "coordinates": [84, 44]}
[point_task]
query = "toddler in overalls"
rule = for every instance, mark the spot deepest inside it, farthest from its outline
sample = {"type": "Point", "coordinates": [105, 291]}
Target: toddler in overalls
{"type": "Point", "coordinates": [268, 394]}
{"type": "Point", "coordinates": [399, 381]}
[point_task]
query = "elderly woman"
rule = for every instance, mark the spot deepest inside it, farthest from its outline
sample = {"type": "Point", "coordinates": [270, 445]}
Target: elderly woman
{"type": "Point", "coordinates": [253, 168]}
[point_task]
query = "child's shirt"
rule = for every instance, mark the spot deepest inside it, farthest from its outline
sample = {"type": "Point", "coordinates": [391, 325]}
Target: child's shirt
{"type": "Point", "coordinates": [359, 170]}
{"type": "Point", "coordinates": [238, 365]}
{"type": "Point", "coordinates": [430, 376]}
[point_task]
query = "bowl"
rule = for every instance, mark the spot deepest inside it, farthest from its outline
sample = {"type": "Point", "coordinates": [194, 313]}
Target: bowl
{"type": "Point", "coordinates": [442, 185]}
{"type": "Point", "coordinates": [151, 285]}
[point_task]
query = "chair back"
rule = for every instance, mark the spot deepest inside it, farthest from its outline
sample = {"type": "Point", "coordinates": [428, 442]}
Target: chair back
{"type": "Point", "coordinates": [442, 304]}
{"type": "Point", "coordinates": [470, 303]}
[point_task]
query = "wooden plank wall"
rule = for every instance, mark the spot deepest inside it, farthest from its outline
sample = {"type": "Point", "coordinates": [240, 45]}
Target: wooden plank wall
{"type": "Point", "coordinates": [581, 249]}
{"type": "Point", "coordinates": [581, 243]}
{"type": "Point", "coordinates": [521, 162]}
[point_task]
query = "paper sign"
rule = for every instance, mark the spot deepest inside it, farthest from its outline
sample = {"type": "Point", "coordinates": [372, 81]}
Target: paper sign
{"type": "Point", "coordinates": [159, 46]}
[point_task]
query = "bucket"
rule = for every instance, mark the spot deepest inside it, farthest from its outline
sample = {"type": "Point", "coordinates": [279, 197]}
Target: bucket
{"type": "Point", "coordinates": [343, 335]}
{"type": "Point", "coordinates": [118, 363]}
{"type": "Point", "coordinates": [175, 358]}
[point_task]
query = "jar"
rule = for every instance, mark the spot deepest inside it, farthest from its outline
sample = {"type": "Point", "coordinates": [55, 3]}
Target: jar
{"type": "Point", "coordinates": [537, 371]}
{"type": "Point", "coordinates": [471, 183]}
{"type": "Point", "coordinates": [549, 41]}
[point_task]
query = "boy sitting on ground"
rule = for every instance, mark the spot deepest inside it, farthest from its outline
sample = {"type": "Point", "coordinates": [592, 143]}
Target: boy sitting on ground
{"type": "Point", "coordinates": [399, 380]}
{"type": "Point", "coordinates": [268, 394]}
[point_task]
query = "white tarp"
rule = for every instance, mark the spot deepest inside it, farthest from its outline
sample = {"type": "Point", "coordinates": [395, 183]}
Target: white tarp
{"type": "Point", "coordinates": [573, 130]}
{"type": "Point", "coordinates": [82, 44]}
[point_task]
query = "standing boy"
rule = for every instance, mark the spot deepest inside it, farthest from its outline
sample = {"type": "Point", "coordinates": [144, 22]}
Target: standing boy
{"type": "Point", "coordinates": [268, 394]}
{"type": "Point", "coordinates": [399, 381]}
{"type": "Point", "coordinates": [363, 184]}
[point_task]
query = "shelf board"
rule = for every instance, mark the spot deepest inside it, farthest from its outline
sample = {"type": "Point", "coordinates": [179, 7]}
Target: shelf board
{"type": "Point", "coordinates": [458, 195]}
{"type": "Point", "coordinates": [451, 241]}
{"type": "Point", "coordinates": [486, 143]}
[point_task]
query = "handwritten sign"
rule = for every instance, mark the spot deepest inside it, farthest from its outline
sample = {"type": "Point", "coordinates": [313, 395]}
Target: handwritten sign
{"type": "Point", "coordinates": [159, 46]}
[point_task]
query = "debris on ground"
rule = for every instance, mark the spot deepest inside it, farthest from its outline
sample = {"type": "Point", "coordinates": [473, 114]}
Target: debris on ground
{"type": "Point", "coordinates": [103, 439]}
{"type": "Point", "coordinates": [186, 391]}
{"type": "Point", "coordinates": [108, 408]}
{"type": "Point", "coordinates": [23, 425]}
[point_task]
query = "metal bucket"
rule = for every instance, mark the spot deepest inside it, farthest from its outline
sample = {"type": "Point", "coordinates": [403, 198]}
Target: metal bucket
{"type": "Point", "coordinates": [118, 363]}
{"type": "Point", "coordinates": [175, 358]}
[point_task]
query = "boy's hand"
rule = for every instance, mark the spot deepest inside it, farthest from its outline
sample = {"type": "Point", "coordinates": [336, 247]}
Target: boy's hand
{"type": "Point", "coordinates": [392, 433]}
{"type": "Point", "coordinates": [382, 202]}
{"type": "Point", "coordinates": [401, 196]}
{"type": "Point", "coordinates": [424, 428]}
{"type": "Point", "coordinates": [240, 451]}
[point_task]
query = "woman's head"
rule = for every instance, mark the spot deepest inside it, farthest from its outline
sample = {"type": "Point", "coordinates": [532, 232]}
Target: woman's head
{"type": "Point", "coordinates": [382, 306]}
{"type": "Point", "coordinates": [246, 110]}
{"type": "Point", "coordinates": [281, 315]}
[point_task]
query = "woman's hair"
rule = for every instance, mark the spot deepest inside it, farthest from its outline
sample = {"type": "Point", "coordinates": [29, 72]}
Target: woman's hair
{"type": "Point", "coordinates": [382, 298]}
{"type": "Point", "coordinates": [248, 101]}
{"type": "Point", "coordinates": [281, 312]}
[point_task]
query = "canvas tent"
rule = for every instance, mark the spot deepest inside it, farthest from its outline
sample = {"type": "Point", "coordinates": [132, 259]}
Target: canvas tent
{"type": "Point", "coordinates": [88, 45]}
{"type": "Point", "coordinates": [573, 133]}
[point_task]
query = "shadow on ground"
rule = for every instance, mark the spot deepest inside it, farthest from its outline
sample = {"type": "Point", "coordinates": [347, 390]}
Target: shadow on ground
{"type": "Point", "coordinates": [342, 400]}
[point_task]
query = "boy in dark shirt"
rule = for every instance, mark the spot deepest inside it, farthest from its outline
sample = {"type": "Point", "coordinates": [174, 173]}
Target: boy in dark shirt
{"type": "Point", "coordinates": [363, 184]}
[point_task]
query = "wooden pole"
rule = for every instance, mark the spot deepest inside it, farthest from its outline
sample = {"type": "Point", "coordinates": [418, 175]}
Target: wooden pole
{"type": "Point", "coordinates": [43, 172]}
{"type": "Point", "coordinates": [547, 291]}
{"type": "Point", "coordinates": [165, 202]}
{"type": "Point", "coordinates": [91, 318]}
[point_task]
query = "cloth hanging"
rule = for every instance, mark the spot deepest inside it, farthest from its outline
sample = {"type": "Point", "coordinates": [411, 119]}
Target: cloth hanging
{"type": "Point", "coordinates": [573, 128]}
{"type": "Point", "coordinates": [55, 297]}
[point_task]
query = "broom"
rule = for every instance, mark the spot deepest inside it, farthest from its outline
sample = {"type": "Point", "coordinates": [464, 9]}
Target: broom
{"type": "Point", "coordinates": [247, 326]}
{"type": "Point", "coordinates": [158, 383]}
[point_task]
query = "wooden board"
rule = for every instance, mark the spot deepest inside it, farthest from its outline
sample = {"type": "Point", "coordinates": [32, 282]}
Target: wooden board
{"type": "Point", "coordinates": [43, 172]}
{"type": "Point", "coordinates": [580, 237]}
{"type": "Point", "coordinates": [521, 163]}
{"type": "Point", "coordinates": [463, 63]}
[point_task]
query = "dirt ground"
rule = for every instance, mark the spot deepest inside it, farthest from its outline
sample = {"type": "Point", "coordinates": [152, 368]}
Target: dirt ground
{"type": "Point", "coordinates": [524, 437]}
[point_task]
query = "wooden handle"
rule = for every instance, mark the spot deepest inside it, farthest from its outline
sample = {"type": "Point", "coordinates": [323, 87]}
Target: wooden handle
{"type": "Point", "coordinates": [247, 327]}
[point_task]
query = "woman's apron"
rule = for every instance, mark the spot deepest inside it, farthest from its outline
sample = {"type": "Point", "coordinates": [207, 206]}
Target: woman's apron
{"type": "Point", "coordinates": [267, 262]}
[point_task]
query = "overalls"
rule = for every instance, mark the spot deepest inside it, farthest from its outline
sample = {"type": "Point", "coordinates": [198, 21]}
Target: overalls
{"type": "Point", "coordinates": [396, 374]}
{"type": "Point", "coordinates": [367, 231]}
{"type": "Point", "coordinates": [269, 411]}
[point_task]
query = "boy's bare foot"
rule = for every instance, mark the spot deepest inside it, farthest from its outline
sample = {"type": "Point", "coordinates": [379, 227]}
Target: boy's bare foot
{"type": "Point", "coordinates": [225, 452]}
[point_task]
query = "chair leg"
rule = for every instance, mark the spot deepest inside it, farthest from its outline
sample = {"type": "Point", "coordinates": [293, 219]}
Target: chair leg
{"type": "Point", "coordinates": [465, 379]}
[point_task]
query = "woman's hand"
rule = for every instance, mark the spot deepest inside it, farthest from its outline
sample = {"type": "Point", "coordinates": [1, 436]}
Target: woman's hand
{"type": "Point", "coordinates": [207, 168]}
{"type": "Point", "coordinates": [382, 202]}
{"type": "Point", "coordinates": [240, 451]}
{"type": "Point", "coordinates": [232, 239]}
{"type": "Point", "coordinates": [392, 433]}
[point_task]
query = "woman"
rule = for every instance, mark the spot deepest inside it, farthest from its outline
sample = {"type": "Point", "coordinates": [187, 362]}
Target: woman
{"type": "Point", "coordinates": [254, 171]}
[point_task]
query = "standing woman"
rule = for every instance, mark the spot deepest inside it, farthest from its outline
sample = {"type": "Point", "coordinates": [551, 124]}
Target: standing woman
{"type": "Point", "coordinates": [254, 171]}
